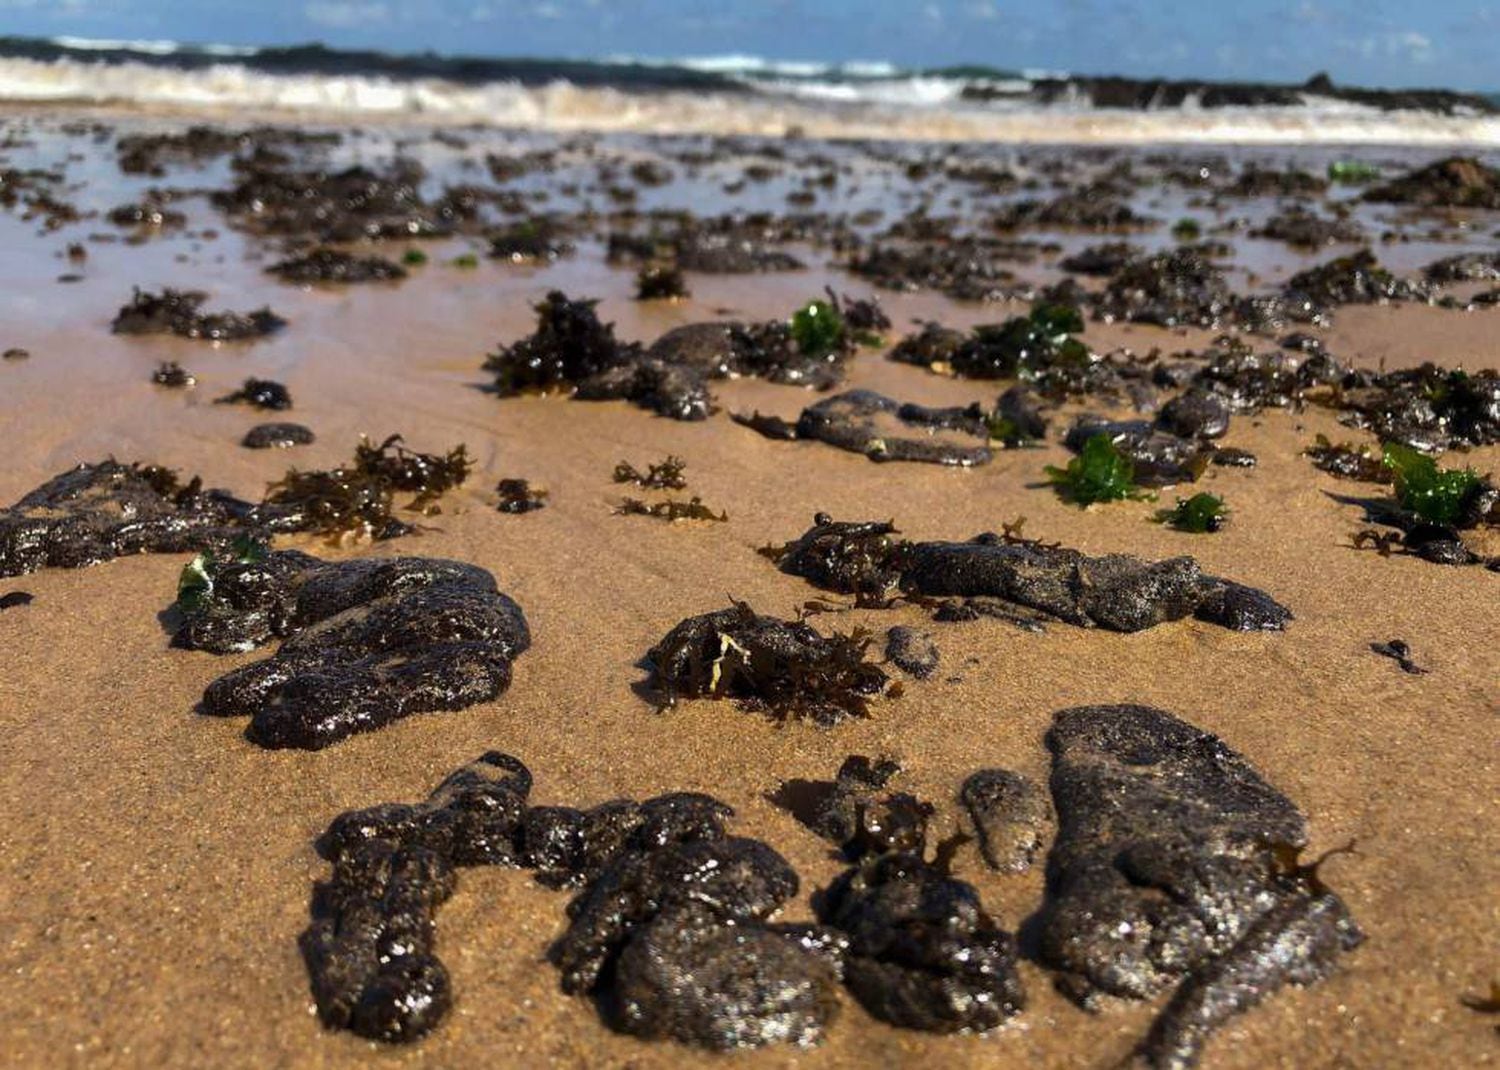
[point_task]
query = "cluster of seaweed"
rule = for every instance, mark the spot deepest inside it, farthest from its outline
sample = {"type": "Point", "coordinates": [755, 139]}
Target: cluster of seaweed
{"type": "Point", "coordinates": [660, 282]}
{"type": "Point", "coordinates": [570, 345]}
{"type": "Point", "coordinates": [177, 312]}
{"type": "Point", "coordinates": [1037, 346]}
{"type": "Point", "coordinates": [427, 475]}
{"type": "Point", "coordinates": [663, 475]}
{"type": "Point", "coordinates": [356, 500]}
{"type": "Point", "coordinates": [572, 351]}
{"type": "Point", "coordinates": [530, 241]}
{"type": "Point", "coordinates": [671, 511]}
{"type": "Point", "coordinates": [334, 266]}
{"type": "Point", "coordinates": [356, 203]}
{"type": "Point", "coordinates": [518, 496]}
{"type": "Point", "coordinates": [784, 669]}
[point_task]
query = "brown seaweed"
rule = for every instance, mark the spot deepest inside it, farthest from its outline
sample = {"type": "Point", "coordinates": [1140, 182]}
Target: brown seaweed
{"type": "Point", "coordinates": [663, 475]}
{"type": "Point", "coordinates": [671, 511]}
{"type": "Point", "coordinates": [784, 669]}
{"type": "Point", "coordinates": [519, 496]}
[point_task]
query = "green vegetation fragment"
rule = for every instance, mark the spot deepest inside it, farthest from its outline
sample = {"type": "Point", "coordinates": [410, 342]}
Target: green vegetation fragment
{"type": "Point", "coordinates": [1200, 514]}
{"type": "Point", "coordinates": [1187, 230]}
{"type": "Point", "coordinates": [467, 261]}
{"type": "Point", "coordinates": [1434, 494]}
{"type": "Point", "coordinates": [195, 587]}
{"type": "Point", "coordinates": [413, 257]}
{"type": "Point", "coordinates": [1352, 172]}
{"type": "Point", "coordinates": [1100, 473]}
{"type": "Point", "coordinates": [818, 329]}
{"type": "Point", "coordinates": [1004, 429]}
{"type": "Point", "coordinates": [1022, 346]}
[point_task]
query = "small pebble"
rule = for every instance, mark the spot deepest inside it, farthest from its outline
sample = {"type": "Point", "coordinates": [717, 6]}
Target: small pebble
{"type": "Point", "coordinates": [277, 435]}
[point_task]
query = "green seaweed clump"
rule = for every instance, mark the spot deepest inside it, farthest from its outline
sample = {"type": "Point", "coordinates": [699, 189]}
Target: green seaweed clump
{"type": "Point", "coordinates": [818, 329]}
{"type": "Point", "coordinates": [1187, 230]}
{"type": "Point", "coordinates": [665, 475]}
{"type": "Point", "coordinates": [1352, 172]}
{"type": "Point", "coordinates": [1023, 346]}
{"type": "Point", "coordinates": [1200, 514]}
{"type": "Point", "coordinates": [693, 509]}
{"type": "Point", "coordinates": [195, 586]}
{"type": "Point", "coordinates": [1436, 495]}
{"type": "Point", "coordinates": [1100, 473]}
{"type": "Point", "coordinates": [414, 258]}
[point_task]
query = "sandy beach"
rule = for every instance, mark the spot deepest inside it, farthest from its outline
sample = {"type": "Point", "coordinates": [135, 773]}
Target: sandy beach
{"type": "Point", "coordinates": [155, 866]}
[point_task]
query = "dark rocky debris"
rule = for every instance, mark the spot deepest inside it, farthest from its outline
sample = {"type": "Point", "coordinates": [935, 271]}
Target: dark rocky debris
{"type": "Point", "coordinates": [1007, 574]}
{"type": "Point", "coordinates": [277, 436]}
{"type": "Point", "coordinates": [670, 933]}
{"type": "Point", "coordinates": [1010, 817]}
{"type": "Point", "coordinates": [1175, 865]}
{"type": "Point", "coordinates": [1455, 182]}
{"type": "Point", "coordinates": [364, 642]}
{"type": "Point", "coordinates": [1160, 458]}
{"type": "Point", "coordinates": [883, 429]}
{"type": "Point", "coordinates": [97, 512]}
{"type": "Point", "coordinates": [912, 651]}
{"type": "Point", "coordinates": [259, 394]}
{"type": "Point", "coordinates": [177, 312]}
{"type": "Point", "coordinates": [334, 266]}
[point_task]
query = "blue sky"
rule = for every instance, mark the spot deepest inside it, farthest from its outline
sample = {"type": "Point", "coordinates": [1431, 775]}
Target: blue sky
{"type": "Point", "coordinates": [1372, 42]}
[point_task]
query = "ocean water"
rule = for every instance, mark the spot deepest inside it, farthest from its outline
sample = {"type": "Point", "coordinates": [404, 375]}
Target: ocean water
{"type": "Point", "coordinates": [721, 95]}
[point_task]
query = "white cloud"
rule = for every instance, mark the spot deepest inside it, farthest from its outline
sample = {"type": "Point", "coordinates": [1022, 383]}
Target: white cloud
{"type": "Point", "coordinates": [345, 14]}
{"type": "Point", "coordinates": [1415, 46]}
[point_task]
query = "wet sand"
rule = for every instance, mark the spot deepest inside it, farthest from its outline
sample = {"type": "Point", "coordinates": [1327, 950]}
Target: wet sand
{"type": "Point", "coordinates": [155, 867]}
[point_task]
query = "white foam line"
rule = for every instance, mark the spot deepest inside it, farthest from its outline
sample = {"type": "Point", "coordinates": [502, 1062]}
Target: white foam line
{"type": "Point", "coordinates": [561, 106]}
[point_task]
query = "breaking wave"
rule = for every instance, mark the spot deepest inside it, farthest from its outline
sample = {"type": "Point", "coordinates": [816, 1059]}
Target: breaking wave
{"type": "Point", "coordinates": [726, 95]}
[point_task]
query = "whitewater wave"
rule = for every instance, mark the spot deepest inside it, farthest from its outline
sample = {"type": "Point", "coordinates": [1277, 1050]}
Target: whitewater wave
{"type": "Point", "coordinates": [833, 101]}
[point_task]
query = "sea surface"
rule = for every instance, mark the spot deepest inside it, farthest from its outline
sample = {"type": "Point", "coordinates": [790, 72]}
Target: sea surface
{"type": "Point", "coordinates": [728, 95]}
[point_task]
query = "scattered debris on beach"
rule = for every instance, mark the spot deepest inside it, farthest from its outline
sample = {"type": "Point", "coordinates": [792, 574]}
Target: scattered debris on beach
{"type": "Point", "coordinates": [364, 642]}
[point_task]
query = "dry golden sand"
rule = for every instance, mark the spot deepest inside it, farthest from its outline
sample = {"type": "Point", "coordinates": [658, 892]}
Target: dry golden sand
{"type": "Point", "coordinates": [155, 867]}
